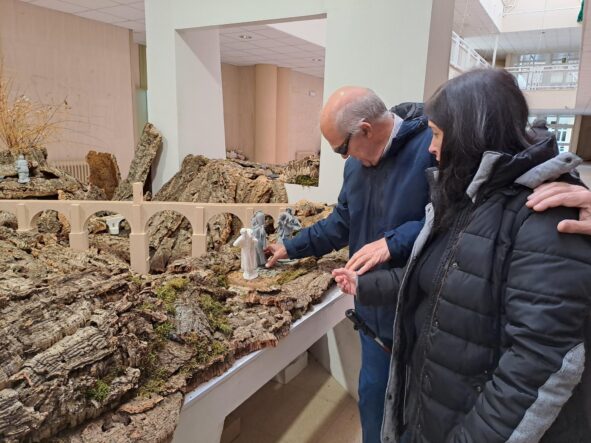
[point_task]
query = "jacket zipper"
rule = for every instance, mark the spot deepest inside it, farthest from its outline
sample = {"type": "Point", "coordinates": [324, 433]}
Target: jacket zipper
{"type": "Point", "coordinates": [399, 304]}
{"type": "Point", "coordinates": [458, 229]}
{"type": "Point", "coordinates": [403, 285]}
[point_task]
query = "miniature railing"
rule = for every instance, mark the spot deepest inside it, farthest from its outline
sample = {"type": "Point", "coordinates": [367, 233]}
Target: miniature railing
{"type": "Point", "coordinates": [137, 213]}
{"type": "Point", "coordinates": [463, 57]}
{"type": "Point", "coordinates": [536, 77]}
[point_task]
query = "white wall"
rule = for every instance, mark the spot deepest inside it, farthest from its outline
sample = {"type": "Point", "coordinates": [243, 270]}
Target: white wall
{"type": "Point", "coordinates": [365, 43]}
{"type": "Point", "coordinates": [583, 102]}
{"type": "Point", "coordinates": [494, 9]}
{"type": "Point", "coordinates": [530, 15]}
{"type": "Point", "coordinates": [199, 93]}
{"type": "Point", "coordinates": [185, 93]}
{"type": "Point", "coordinates": [162, 96]}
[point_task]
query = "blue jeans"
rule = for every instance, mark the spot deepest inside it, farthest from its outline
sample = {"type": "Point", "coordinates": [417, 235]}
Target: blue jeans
{"type": "Point", "coordinates": [373, 378]}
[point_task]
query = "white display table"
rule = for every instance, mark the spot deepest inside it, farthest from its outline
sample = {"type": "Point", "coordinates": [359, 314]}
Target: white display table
{"type": "Point", "coordinates": [205, 409]}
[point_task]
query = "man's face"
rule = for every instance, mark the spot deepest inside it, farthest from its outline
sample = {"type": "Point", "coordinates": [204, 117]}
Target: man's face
{"type": "Point", "coordinates": [356, 145]}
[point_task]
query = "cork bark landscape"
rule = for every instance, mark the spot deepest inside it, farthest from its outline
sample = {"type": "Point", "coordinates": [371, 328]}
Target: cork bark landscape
{"type": "Point", "coordinates": [90, 351]}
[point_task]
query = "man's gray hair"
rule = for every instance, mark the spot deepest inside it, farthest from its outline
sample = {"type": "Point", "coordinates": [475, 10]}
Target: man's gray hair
{"type": "Point", "coordinates": [368, 107]}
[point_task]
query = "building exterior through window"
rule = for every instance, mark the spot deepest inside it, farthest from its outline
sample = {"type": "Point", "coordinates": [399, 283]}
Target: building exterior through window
{"type": "Point", "coordinates": [561, 126]}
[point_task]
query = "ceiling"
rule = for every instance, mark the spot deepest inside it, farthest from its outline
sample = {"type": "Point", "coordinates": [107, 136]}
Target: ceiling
{"type": "Point", "coordinates": [549, 40]}
{"type": "Point", "coordinates": [470, 18]}
{"type": "Point", "coordinates": [258, 44]}
{"type": "Point", "coordinates": [125, 13]}
{"type": "Point", "coordinates": [269, 45]}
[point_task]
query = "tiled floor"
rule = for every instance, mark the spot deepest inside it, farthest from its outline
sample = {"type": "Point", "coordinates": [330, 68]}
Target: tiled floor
{"type": "Point", "coordinates": [312, 408]}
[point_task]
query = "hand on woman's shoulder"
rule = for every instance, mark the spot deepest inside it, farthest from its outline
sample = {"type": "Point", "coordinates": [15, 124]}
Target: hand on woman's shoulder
{"type": "Point", "coordinates": [552, 195]}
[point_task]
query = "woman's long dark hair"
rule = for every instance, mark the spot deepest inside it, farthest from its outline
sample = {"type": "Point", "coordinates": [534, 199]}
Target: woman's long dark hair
{"type": "Point", "coordinates": [481, 110]}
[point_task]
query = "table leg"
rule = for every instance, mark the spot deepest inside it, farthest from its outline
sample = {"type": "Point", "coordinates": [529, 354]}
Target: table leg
{"type": "Point", "coordinates": [202, 426]}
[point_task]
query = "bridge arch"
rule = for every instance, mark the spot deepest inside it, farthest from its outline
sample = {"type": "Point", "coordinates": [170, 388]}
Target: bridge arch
{"type": "Point", "coordinates": [222, 227]}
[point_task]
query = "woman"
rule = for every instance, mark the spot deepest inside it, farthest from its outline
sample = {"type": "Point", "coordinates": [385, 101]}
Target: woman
{"type": "Point", "coordinates": [488, 338]}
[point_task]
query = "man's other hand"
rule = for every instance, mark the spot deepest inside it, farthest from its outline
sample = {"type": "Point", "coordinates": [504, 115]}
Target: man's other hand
{"type": "Point", "coordinates": [371, 255]}
{"type": "Point", "coordinates": [277, 252]}
{"type": "Point", "coordinates": [551, 195]}
{"type": "Point", "coordinates": [346, 280]}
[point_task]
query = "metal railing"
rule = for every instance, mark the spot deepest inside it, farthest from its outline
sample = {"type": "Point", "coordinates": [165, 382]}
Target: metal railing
{"type": "Point", "coordinates": [463, 57]}
{"type": "Point", "coordinates": [536, 77]}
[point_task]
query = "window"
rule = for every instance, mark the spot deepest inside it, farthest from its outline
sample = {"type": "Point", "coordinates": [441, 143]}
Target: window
{"type": "Point", "coordinates": [566, 120]}
{"type": "Point", "coordinates": [561, 126]}
{"type": "Point", "coordinates": [564, 58]}
{"type": "Point", "coordinates": [531, 59]}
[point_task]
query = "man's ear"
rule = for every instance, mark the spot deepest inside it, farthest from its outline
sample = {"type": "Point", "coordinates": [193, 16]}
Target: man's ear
{"type": "Point", "coordinates": [366, 129]}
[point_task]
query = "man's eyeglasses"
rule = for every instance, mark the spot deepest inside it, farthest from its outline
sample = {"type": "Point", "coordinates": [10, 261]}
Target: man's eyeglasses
{"type": "Point", "coordinates": [344, 148]}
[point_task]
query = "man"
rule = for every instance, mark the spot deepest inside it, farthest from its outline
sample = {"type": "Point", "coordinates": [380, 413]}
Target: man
{"type": "Point", "coordinates": [381, 203]}
{"type": "Point", "coordinates": [551, 195]}
{"type": "Point", "coordinates": [539, 131]}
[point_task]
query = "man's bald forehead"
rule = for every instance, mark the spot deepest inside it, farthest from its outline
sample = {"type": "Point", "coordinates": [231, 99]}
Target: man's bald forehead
{"type": "Point", "coordinates": [348, 93]}
{"type": "Point", "coordinates": [340, 98]}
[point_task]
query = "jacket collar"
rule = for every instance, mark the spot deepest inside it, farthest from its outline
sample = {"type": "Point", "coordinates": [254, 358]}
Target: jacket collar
{"type": "Point", "coordinates": [530, 167]}
{"type": "Point", "coordinates": [408, 129]}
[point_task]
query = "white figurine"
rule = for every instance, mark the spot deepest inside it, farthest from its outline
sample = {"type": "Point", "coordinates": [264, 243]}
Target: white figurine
{"type": "Point", "coordinates": [258, 231]}
{"type": "Point", "coordinates": [248, 261]}
{"type": "Point", "coordinates": [287, 224]}
{"type": "Point", "coordinates": [22, 167]}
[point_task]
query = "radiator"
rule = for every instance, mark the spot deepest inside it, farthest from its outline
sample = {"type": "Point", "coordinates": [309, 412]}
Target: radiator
{"type": "Point", "coordinates": [76, 168]}
{"type": "Point", "coordinates": [300, 155]}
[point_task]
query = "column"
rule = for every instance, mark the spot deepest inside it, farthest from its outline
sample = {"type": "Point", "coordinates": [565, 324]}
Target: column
{"type": "Point", "coordinates": [439, 46]}
{"type": "Point", "coordinates": [78, 234]}
{"type": "Point", "coordinates": [265, 113]}
{"type": "Point", "coordinates": [283, 154]}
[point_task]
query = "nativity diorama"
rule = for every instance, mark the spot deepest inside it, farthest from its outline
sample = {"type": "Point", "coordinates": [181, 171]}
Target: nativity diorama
{"type": "Point", "coordinates": [93, 351]}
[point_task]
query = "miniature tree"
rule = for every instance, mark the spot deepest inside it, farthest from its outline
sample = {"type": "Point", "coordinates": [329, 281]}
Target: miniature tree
{"type": "Point", "coordinates": [25, 124]}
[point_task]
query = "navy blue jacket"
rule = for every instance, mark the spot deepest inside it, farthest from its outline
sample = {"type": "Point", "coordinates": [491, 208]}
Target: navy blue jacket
{"type": "Point", "coordinates": [387, 200]}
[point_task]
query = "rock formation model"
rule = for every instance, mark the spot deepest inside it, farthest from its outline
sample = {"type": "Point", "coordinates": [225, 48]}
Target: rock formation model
{"type": "Point", "coordinates": [91, 352]}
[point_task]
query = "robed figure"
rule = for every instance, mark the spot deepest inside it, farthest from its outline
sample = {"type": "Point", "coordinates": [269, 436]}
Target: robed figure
{"type": "Point", "coordinates": [248, 261]}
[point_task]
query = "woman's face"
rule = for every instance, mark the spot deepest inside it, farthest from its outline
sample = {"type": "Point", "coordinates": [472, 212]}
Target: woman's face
{"type": "Point", "coordinates": [436, 141]}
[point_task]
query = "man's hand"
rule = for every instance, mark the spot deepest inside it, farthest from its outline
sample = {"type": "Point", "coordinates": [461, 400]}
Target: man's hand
{"type": "Point", "coordinates": [551, 195]}
{"type": "Point", "coordinates": [372, 254]}
{"type": "Point", "coordinates": [347, 280]}
{"type": "Point", "coordinates": [277, 252]}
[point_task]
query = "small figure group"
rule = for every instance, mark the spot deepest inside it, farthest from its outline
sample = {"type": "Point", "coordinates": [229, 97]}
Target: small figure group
{"type": "Point", "coordinates": [253, 241]}
{"type": "Point", "coordinates": [287, 224]}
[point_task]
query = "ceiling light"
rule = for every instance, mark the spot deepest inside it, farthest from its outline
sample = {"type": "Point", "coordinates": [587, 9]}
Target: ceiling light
{"type": "Point", "coordinates": [317, 59]}
{"type": "Point", "coordinates": [245, 36]}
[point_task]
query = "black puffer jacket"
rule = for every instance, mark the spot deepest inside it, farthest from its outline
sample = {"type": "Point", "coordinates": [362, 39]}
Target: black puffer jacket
{"type": "Point", "coordinates": [502, 347]}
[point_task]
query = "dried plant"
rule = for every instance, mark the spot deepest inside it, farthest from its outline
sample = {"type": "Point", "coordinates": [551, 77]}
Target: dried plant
{"type": "Point", "coordinates": [25, 124]}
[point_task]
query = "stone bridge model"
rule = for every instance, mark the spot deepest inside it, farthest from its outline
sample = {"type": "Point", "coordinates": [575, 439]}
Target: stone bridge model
{"type": "Point", "coordinates": [137, 213]}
